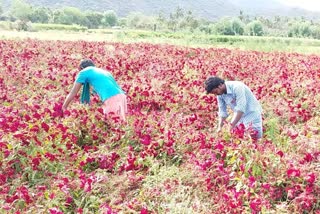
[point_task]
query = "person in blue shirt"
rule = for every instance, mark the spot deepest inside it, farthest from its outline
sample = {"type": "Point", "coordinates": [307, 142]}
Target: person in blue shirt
{"type": "Point", "coordinates": [112, 96]}
{"type": "Point", "coordinates": [245, 106]}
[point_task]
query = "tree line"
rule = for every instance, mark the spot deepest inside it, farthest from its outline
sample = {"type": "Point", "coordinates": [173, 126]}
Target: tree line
{"type": "Point", "coordinates": [178, 20]}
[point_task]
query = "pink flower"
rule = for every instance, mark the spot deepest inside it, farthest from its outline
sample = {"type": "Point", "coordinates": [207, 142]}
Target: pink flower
{"type": "Point", "coordinates": [255, 205]}
{"type": "Point", "coordinates": [293, 172]}
{"type": "Point", "coordinates": [45, 126]}
{"type": "Point", "coordinates": [252, 181]}
{"type": "Point", "coordinates": [280, 153]}
{"type": "Point", "coordinates": [219, 147]}
{"type": "Point", "coordinates": [145, 140]}
{"type": "Point", "coordinates": [144, 211]}
{"type": "Point", "coordinates": [308, 157]}
{"type": "Point", "coordinates": [55, 211]}
{"type": "Point", "coordinates": [310, 178]}
{"type": "Point", "coordinates": [35, 163]}
{"type": "Point", "coordinates": [3, 179]}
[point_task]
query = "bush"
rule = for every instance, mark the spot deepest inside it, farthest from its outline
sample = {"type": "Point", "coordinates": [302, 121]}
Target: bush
{"type": "Point", "coordinates": [40, 27]}
{"type": "Point", "coordinates": [5, 25]}
{"type": "Point", "coordinates": [21, 25]}
{"type": "Point", "coordinates": [255, 28]}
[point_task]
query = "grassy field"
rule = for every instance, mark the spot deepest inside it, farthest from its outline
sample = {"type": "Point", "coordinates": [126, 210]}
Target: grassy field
{"type": "Point", "coordinates": [266, 44]}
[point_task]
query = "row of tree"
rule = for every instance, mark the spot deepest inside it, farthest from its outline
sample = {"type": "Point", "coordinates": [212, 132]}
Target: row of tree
{"type": "Point", "coordinates": [20, 10]}
{"type": "Point", "coordinates": [179, 20]}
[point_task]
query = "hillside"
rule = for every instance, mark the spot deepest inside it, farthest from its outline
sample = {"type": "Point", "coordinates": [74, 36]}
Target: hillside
{"type": "Point", "coordinates": [209, 9]}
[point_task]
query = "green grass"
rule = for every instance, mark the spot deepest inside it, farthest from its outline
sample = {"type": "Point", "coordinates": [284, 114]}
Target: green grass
{"type": "Point", "coordinates": [43, 27]}
{"type": "Point", "coordinates": [266, 44]}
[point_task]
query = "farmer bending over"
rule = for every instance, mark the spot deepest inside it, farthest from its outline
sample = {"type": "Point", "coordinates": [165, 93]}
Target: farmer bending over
{"type": "Point", "coordinates": [245, 106]}
{"type": "Point", "coordinates": [112, 96]}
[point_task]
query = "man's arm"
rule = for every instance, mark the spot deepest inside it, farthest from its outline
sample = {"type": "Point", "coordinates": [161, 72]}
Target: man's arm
{"type": "Point", "coordinates": [235, 119]}
{"type": "Point", "coordinates": [76, 87]}
{"type": "Point", "coordinates": [221, 122]}
{"type": "Point", "coordinates": [222, 113]}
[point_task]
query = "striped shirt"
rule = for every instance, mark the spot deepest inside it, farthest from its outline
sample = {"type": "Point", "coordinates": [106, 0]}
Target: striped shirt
{"type": "Point", "coordinates": [239, 97]}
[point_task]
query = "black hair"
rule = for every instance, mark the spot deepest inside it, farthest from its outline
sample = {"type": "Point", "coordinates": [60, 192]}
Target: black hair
{"type": "Point", "coordinates": [86, 63]}
{"type": "Point", "coordinates": [212, 83]}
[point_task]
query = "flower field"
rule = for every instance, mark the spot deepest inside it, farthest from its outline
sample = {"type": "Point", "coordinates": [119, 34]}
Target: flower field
{"type": "Point", "coordinates": [168, 158]}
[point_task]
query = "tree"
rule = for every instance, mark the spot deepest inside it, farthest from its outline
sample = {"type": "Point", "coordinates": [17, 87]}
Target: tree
{"type": "Point", "coordinates": [69, 16]}
{"type": "Point", "coordinates": [140, 21]}
{"type": "Point", "coordinates": [41, 15]}
{"type": "Point", "coordinates": [294, 30]}
{"type": "Point", "coordinates": [123, 22]}
{"type": "Point", "coordinates": [110, 18]}
{"type": "Point", "coordinates": [224, 27]}
{"type": "Point", "coordinates": [189, 21]}
{"type": "Point", "coordinates": [175, 18]}
{"type": "Point", "coordinates": [300, 29]}
{"type": "Point", "coordinates": [255, 28]}
{"type": "Point", "coordinates": [94, 19]}
{"type": "Point", "coordinates": [237, 26]}
{"type": "Point", "coordinates": [21, 10]}
{"type": "Point", "coordinates": [305, 30]}
{"type": "Point", "coordinates": [315, 32]}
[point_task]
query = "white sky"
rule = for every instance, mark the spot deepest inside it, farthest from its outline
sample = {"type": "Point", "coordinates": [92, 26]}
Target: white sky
{"type": "Point", "coordinates": [306, 4]}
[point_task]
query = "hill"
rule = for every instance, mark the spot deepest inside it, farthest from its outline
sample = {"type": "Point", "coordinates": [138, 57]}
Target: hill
{"type": "Point", "coordinates": [209, 9]}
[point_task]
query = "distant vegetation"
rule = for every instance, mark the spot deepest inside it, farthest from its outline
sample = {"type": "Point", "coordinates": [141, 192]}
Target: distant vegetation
{"type": "Point", "coordinates": [21, 15]}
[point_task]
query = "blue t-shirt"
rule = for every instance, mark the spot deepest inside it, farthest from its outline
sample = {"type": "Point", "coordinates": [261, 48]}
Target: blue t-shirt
{"type": "Point", "coordinates": [101, 80]}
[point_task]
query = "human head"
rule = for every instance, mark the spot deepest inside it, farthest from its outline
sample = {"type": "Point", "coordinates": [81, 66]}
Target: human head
{"type": "Point", "coordinates": [86, 63]}
{"type": "Point", "coordinates": [213, 83]}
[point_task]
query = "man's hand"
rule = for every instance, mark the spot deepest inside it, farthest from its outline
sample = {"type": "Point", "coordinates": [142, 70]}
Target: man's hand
{"type": "Point", "coordinates": [235, 119]}
{"type": "Point", "coordinates": [218, 130]}
{"type": "Point", "coordinates": [231, 127]}
{"type": "Point", "coordinates": [62, 111]}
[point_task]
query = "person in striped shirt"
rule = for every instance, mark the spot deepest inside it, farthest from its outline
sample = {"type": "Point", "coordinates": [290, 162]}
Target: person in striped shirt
{"type": "Point", "coordinates": [245, 106]}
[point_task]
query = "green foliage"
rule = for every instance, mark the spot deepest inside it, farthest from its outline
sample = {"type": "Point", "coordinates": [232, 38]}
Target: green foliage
{"type": "Point", "coordinates": [315, 32]}
{"type": "Point", "coordinates": [237, 26]}
{"type": "Point", "coordinates": [300, 29]}
{"type": "Point", "coordinates": [179, 20]}
{"type": "Point", "coordinates": [5, 25]}
{"type": "Point", "coordinates": [255, 28]}
{"type": "Point", "coordinates": [122, 22]}
{"type": "Point", "coordinates": [41, 15]}
{"type": "Point", "coordinates": [94, 19]}
{"type": "Point", "coordinates": [140, 21]}
{"type": "Point", "coordinates": [41, 27]}
{"type": "Point", "coordinates": [21, 10]}
{"type": "Point", "coordinates": [227, 26]}
{"type": "Point", "coordinates": [69, 16]}
{"type": "Point", "coordinates": [21, 25]}
{"type": "Point", "coordinates": [110, 18]}
{"type": "Point", "coordinates": [272, 129]}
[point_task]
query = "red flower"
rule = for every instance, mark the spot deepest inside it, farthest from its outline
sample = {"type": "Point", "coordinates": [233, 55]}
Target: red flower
{"type": "Point", "coordinates": [293, 172]}
{"type": "Point", "coordinates": [308, 157]}
{"type": "Point", "coordinates": [145, 139]}
{"type": "Point", "coordinates": [55, 211]}
{"type": "Point", "coordinates": [144, 211]}
{"type": "Point", "coordinates": [219, 147]}
{"type": "Point", "coordinates": [3, 179]}
{"type": "Point", "coordinates": [45, 126]}
{"type": "Point", "coordinates": [35, 163]}
{"type": "Point", "coordinates": [255, 205]}
{"type": "Point", "coordinates": [310, 178]}
{"type": "Point", "coordinates": [280, 153]}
